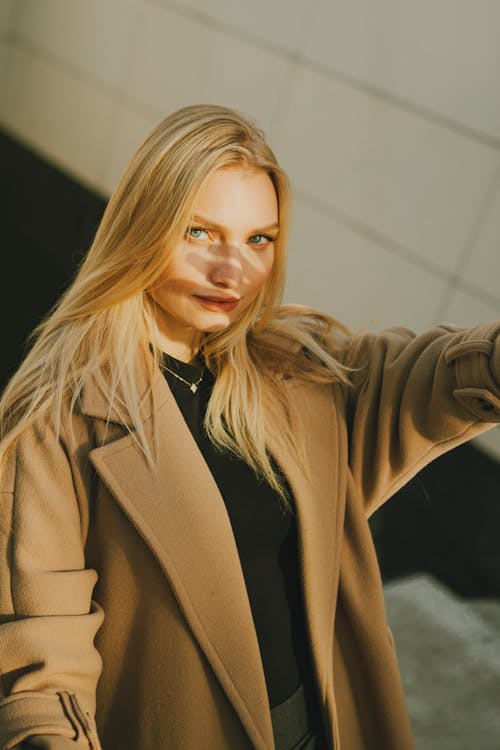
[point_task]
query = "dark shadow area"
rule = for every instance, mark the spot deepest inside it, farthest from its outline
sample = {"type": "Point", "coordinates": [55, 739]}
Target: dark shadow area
{"type": "Point", "coordinates": [446, 522]}
{"type": "Point", "coordinates": [47, 224]}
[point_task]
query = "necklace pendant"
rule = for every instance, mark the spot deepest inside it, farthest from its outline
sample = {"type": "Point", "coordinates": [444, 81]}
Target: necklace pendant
{"type": "Point", "coordinates": [193, 388]}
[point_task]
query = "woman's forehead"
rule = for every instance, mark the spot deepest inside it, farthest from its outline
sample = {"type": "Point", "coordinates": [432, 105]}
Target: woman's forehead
{"type": "Point", "coordinates": [238, 193]}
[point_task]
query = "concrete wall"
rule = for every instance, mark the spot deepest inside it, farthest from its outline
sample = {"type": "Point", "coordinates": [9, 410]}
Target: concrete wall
{"type": "Point", "coordinates": [387, 116]}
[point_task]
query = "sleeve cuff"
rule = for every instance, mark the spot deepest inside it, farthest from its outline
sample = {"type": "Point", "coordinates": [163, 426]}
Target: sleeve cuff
{"type": "Point", "coordinates": [477, 367]}
{"type": "Point", "coordinates": [29, 713]}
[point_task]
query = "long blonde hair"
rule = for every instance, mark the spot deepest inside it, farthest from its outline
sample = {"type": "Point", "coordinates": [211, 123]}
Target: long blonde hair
{"type": "Point", "coordinates": [105, 323]}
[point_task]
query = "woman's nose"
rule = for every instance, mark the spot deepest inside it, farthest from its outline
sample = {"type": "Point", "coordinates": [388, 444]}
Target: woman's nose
{"type": "Point", "coordinates": [226, 269]}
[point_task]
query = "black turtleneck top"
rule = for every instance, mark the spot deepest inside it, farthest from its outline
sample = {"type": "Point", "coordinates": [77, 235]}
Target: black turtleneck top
{"type": "Point", "coordinates": [266, 539]}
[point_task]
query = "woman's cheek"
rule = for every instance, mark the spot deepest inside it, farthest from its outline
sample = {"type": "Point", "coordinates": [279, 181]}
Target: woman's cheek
{"type": "Point", "coordinates": [263, 269]}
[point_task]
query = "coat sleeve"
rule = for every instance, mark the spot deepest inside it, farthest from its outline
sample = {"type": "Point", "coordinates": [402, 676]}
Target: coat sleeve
{"type": "Point", "coordinates": [49, 666]}
{"type": "Point", "coordinates": [415, 397]}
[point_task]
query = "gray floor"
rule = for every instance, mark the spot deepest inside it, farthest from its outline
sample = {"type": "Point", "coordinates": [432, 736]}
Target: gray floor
{"type": "Point", "coordinates": [449, 654]}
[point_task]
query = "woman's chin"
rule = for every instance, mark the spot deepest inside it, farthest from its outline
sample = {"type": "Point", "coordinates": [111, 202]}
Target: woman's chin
{"type": "Point", "coordinates": [216, 327]}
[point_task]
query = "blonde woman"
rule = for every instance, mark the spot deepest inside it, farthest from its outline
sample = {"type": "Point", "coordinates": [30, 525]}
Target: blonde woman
{"type": "Point", "coordinates": [188, 469]}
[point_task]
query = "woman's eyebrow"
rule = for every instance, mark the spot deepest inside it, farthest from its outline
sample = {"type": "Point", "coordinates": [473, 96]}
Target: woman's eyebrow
{"type": "Point", "coordinates": [209, 224]}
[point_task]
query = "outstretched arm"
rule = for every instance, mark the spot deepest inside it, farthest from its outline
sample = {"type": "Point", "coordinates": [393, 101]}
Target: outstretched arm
{"type": "Point", "coordinates": [415, 397]}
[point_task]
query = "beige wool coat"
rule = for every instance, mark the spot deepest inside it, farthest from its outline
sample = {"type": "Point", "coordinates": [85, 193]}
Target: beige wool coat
{"type": "Point", "coordinates": [124, 618]}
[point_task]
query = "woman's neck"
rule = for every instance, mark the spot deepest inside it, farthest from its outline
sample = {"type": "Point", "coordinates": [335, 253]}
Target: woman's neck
{"type": "Point", "coordinates": [181, 350]}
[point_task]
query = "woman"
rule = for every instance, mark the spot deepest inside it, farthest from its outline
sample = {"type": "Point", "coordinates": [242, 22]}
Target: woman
{"type": "Point", "coordinates": [188, 469]}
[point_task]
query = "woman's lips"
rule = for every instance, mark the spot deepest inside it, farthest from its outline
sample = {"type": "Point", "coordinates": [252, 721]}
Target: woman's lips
{"type": "Point", "coordinates": [217, 304]}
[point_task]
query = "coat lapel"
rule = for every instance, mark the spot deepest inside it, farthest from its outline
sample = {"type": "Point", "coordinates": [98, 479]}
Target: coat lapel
{"type": "Point", "coordinates": [320, 503]}
{"type": "Point", "coordinates": [182, 517]}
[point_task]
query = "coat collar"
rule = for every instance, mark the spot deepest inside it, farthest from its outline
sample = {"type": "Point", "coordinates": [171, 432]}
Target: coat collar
{"type": "Point", "coordinates": [94, 403]}
{"type": "Point", "coordinates": [182, 517]}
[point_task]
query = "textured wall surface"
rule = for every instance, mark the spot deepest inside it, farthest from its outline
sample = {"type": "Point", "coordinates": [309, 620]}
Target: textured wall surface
{"type": "Point", "coordinates": [387, 116]}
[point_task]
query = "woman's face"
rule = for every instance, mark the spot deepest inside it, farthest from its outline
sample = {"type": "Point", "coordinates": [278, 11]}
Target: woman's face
{"type": "Point", "coordinates": [222, 262]}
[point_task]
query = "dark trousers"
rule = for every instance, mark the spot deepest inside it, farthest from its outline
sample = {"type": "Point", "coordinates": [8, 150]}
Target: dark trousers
{"type": "Point", "coordinates": [291, 724]}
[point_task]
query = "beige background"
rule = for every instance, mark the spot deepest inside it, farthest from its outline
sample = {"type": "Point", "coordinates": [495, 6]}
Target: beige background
{"type": "Point", "coordinates": [386, 115]}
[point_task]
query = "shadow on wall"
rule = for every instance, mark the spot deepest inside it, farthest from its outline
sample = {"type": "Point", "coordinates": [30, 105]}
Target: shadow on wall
{"type": "Point", "coordinates": [48, 223]}
{"type": "Point", "coordinates": [444, 522]}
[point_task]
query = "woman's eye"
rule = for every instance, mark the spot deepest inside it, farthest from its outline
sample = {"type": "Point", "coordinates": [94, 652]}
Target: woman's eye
{"type": "Point", "coordinates": [197, 233]}
{"type": "Point", "coordinates": [260, 239]}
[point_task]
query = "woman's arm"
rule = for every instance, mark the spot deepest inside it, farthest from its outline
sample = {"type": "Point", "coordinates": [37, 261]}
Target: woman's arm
{"type": "Point", "coordinates": [415, 397]}
{"type": "Point", "coordinates": [49, 666]}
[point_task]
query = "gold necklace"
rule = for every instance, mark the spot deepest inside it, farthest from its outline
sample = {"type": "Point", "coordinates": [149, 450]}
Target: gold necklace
{"type": "Point", "coordinates": [193, 387]}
